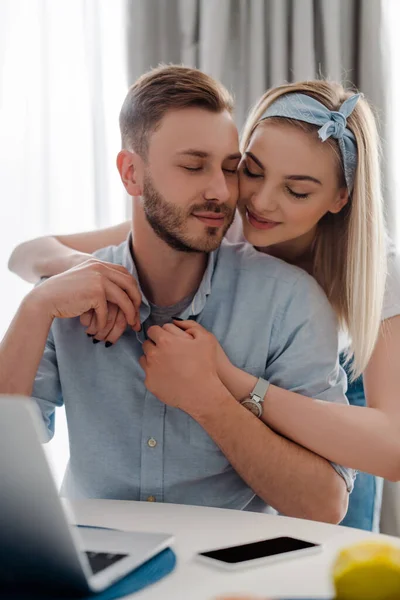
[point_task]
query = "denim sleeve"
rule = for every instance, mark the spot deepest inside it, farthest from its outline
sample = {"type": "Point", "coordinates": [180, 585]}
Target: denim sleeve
{"type": "Point", "coordinates": [47, 388]}
{"type": "Point", "coordinates": [304, 352]}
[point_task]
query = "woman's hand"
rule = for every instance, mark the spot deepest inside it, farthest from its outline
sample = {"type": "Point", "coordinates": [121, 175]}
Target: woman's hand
{"type": "Point", "coordinates": [180, 366]}
{"type": "Point", "coordinates": [115, 326]}
{"type": "Point", "coordinates": [225, 368]}
{"type": "Point", "coordinates": [238, 382]}
{"type": "Point", "coordinates": [96, 288]}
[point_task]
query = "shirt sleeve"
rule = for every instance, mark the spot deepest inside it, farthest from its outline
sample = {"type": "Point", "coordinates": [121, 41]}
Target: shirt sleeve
{"type": "Point", "coordinates": [304, 354]}
{"type": "Point", "coordinates": [47, 388]}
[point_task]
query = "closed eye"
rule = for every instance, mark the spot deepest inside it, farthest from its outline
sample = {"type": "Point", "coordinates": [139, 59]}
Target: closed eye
{"type": "Point", "coordinates": [250, 174]}
{"type": "Point", "coordinates": [196, 169]}
{"type": "Point", "coordinates": [193, 169]}
{"type": "Point", "coordinates": [298, 196]}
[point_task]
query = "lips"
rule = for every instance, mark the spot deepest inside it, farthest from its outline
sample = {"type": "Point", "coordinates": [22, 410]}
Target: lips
{"type": "Point", "coordinates": [211, 219]}
{"type": "Point", "coordinates": [259, 222]}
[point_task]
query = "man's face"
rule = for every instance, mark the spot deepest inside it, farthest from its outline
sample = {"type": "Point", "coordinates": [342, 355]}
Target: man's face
{"type": "Point", "coordinates": [190, 183]}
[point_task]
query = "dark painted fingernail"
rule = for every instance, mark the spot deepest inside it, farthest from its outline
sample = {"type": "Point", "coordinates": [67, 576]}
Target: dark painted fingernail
{"type": "Point", "coordinates": [108, 344]}
{"type": "Point", "coordinates": [177, 319]}
{"type": "Point", "coordinates": [90, 335]}
{"type": "Point", "coordinates": [95, 341]}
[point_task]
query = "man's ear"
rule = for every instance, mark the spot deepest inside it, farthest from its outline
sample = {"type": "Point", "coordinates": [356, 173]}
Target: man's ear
{"type": "Point", "coordinates": [130, 167]}
{"type": "Point", "coordinates": [340, 201]}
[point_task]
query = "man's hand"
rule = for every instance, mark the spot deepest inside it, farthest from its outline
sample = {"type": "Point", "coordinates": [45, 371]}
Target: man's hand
{"type": "Point", "coordinates": [180, 363]}
{"type": "Point", "coordinates": [91, 289]}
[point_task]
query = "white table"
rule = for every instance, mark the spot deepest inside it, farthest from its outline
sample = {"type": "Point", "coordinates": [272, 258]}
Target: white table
{"type": "Point", "coordinates": [197, 529]}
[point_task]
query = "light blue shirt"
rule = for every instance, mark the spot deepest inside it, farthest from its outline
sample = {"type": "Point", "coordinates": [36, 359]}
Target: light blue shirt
{"type": "Point", "coordinates": [272, 320]}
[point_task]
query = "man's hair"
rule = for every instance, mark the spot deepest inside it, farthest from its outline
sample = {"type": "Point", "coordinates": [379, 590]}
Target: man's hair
{"type": "Point", "coordinates": [167, 87]}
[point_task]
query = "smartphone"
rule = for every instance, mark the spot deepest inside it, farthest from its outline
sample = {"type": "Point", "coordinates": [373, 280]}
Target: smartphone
{"type": "Point", "coordinates": [258, 553]}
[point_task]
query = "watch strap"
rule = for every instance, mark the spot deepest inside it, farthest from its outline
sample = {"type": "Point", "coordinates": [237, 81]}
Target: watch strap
{"type": "Point", "coordinates": [260, 390]}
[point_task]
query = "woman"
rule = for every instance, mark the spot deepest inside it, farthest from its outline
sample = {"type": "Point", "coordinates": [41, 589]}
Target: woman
{"type": "Point", "coordinates": [310, 195]}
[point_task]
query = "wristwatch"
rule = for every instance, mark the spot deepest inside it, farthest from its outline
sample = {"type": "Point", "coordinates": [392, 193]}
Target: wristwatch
{"type": "Point", "coordinates": [254, 403]}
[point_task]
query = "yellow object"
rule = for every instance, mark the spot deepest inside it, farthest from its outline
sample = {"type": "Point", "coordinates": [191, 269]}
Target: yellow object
{"type": "Point", "coordinates": [368, 571]}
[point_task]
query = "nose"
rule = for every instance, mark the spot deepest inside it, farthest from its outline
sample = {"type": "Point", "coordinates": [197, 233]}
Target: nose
{"type": "Point", "coordinates": [218, 188]}
{"type": "Point", "coordinates": [264, 200]}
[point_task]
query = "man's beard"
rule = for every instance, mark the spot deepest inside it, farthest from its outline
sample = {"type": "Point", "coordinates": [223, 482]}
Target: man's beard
{"type": "Point", "coordinates": [169, 221]}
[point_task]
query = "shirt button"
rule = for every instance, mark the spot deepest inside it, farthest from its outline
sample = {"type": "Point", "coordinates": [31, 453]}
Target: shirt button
{"type": "Point", "coordinates": [152, 442]}
{"type": "Point", "coordinates": [151, 499]}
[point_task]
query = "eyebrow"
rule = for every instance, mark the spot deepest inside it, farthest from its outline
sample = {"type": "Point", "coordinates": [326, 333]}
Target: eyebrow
{"type": "Point", "coordinates": [202, 154]}
{"type": "Point", "coordinates": [289, 177]}
{"type": "Point", "coordinates": [258, 162]}
{"type": "Point", "coordinates": [303, 178]}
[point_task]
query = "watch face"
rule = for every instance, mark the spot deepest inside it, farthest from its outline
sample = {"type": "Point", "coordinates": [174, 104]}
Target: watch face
{"type": "Point", "coordinates": [253, 407]}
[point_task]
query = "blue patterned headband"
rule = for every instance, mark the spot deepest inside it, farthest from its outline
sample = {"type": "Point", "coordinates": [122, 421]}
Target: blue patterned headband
{"type": "Point", "coordinates": [333, 124]}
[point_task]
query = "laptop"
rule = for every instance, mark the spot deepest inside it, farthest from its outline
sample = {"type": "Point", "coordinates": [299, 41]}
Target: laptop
{"type": "Point", "coordinates": [39, 546]}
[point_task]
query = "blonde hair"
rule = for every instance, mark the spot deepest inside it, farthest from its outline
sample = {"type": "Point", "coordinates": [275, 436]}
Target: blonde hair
{"type": "Point", "coordinates": [349, 253]}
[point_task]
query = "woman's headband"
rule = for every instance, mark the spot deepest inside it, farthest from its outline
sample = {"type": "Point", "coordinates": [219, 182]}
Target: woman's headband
{"type": "Point", "coordinates": [333, 124]}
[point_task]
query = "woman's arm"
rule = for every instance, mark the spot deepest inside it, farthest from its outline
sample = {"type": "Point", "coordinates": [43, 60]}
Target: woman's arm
{"type": "Point", "coordinates": [89, 287]}
{"type": "Point", "coordinates": [51, 255]}
{"type": "Point", "coordinates": [367, 439]}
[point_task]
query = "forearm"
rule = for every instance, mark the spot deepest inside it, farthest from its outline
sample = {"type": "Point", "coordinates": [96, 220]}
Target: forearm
{"type": "Point", "coordinates": [290, 478]}
{"type": "Point", "coordinates": [361, 438]}
{"type": "Point", "coordinates": [43, 257]}
{"type": "Point", "coordinates": [22, 348]}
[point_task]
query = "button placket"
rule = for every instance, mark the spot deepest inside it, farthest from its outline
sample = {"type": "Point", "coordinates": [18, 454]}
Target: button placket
{"type": "Point", "coordinates": [152, 455]}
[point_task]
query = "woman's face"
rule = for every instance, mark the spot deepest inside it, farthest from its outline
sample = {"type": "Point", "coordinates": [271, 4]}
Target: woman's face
{"type": "Point", "coordinates": [288, 182]}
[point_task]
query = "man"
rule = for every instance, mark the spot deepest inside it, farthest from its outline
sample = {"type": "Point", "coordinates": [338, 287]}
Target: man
{"type": "Point", "coordinates": [150, 419]}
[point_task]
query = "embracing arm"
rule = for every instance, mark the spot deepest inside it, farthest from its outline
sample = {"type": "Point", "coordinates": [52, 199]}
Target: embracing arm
{"type": "Point", "coordinates": [363, 438]}
{"type": "Point", "coordinates": [51, 255]}
{"type": "Point", "coordinates": [181, 371]}
{"type": "Point", "coordinates": [290, 478]}
{"type": "Point", "coordinates": [367, 439]}
{"type": "Point", "coordinates": [19, 356]}
{"type": "Point", "coordinates": [90, 287]}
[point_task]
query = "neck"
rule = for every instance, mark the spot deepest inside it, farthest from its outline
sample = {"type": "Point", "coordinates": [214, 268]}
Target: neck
{"type": "Point", "coordinates": [297, 252]}
{"type": "Point", "coordinates": [166, 275]}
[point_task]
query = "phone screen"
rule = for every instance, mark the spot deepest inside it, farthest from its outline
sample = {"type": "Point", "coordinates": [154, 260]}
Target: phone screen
{"type": "Point", "coordinates": [272, 547]}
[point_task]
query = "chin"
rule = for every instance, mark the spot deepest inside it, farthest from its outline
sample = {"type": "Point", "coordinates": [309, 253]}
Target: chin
{"type": "Point", "coordinates": [205, 243]}
{"type": "Point", "coordinates": [210, 243]}
{"type": "Point", "coordinates": [209, 239]}
{"type": "Point", "coordinates": [262, 239]}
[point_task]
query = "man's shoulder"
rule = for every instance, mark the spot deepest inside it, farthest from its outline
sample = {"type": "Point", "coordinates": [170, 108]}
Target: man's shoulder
{"type": "Point", "coordinates": [244, 259]}
{"type": "Point", "coordinates": [113, 254]}
{"type": "Point", "coordinates": [260, 273]}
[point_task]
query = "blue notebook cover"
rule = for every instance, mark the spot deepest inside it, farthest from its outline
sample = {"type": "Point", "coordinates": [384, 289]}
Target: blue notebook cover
{"type": "Point", "coordinates": [153, 570]}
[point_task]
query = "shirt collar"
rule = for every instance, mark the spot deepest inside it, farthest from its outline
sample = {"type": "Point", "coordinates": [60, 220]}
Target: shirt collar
{"type": "Point", "coordinates": [200, 297]}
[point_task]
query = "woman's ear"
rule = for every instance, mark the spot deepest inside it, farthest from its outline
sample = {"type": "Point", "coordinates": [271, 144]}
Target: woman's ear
{"type": "Point", "coordinates": [340, 201]}
{"type": "Point", "coordinates": [129, 165]}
